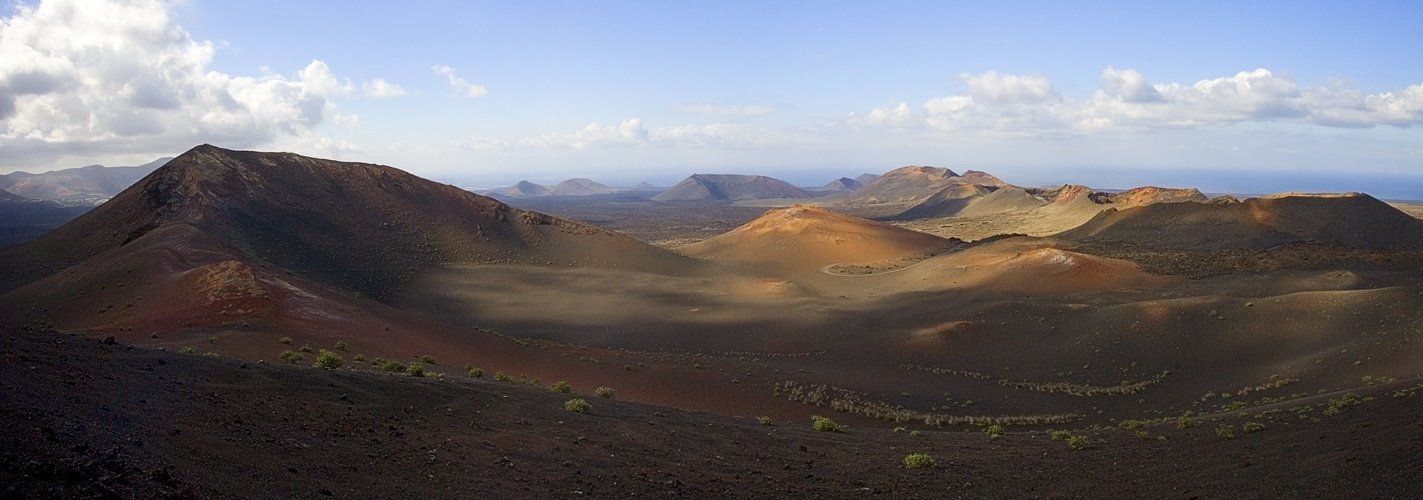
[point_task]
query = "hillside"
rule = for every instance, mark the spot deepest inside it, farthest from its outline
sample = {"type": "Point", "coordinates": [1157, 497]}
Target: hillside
{"type": "Point", "coordinates": [278, 235]}
{"type": "Point", "coordinates": [580, 187]}
{"type": "Point", "coordinates": [804, 237]}
{"type": "Point", "coordinates": [843, 184]}
{"type": "Point", "coordinates": [77, 185]}
{"type": "Point", "coordinates": [730, 187]}
{"type": "Point", "coordinates": [1353, 221]}
{"type": "Point", "coordinates": [912, 185]}
{"type": "Point", "coordinates": [523, 188]}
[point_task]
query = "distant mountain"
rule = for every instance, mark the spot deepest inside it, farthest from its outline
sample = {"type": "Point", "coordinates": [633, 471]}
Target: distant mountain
{"type": "Point", "coordinates": [866, 179]}
{"type": "Point", "coordinates": [85, 185]}
{"type": "Point", "coordinates": [523, 188]}
{"type": "Point", "coordinates": [580, 187]}
{"type": "Point", "coordinates": [642, 186]}
{"type": "Point", "coordinates": [914, 184]}
{"type": "Point", "coordinates": [843, 184]}
{"type": "Point", "coordinates": [805, 238]}
{"type": "Point", "coordinates": [8, 197]}
{"type": "Point", "coordinates": [722, 187]}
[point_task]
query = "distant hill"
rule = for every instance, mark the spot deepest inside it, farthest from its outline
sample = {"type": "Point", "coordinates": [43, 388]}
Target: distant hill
{"type": "Point", "coordinates": [84, 185]}
{"type": "Point", "coordinates": [730, 187]}
{"type": "Point", "coordinates": [843, 184]}
{"type": "Point", "coordinates": [805, 238]}
{"type": "Point", "coordinates": [8, 197]}
{"type": "Point", "coordinates": [523, 188]}
{"type": "Point", "coordinates": [912, 185]}
{"type": "Point", "coordinates": [580, 187]}
{"type": "Point", "coordinates": [1351, 220]}
{"type": "Point", "coordinates": [866, 179]}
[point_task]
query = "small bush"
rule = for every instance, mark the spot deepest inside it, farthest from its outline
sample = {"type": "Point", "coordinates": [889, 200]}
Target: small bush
{"type": "Point", "coordinates": [915, 433]}
{"type": "Point", "coordinates": [475, 372]}
{"type": "Point", "coordinates": [994, 431]}
{"type": "Point", "coordinates": [900, 429]}
{"type": "Point", "coordinates": [1185, 420]}
{"type": "Point", "coordinates": [340, 346]}
{"type": "Point", "coordinates": [393, 366]}
{"type": "Point", "coordinates": [823, 424]}
{"type": "Point", "coordinates": [1059, 435]}
{"type": "Point", "coordinates": [764, 420]}
{"type": "Point", "coordinates": [605, 392]}
{"type": "Point", "coordinates": [328, 360]}
{"type": "Point", "coordinates": [188, 350]}
{"type": "Point", "coordinates": [428, 359]}
{"type": "Point", "coordinates": [560, 387]}
{"type": "Point", "coordinates": [360, 357]}
{"type": "Point", "coordinates": [415, 369]}
{"type": "Point", "coordinates": [1226, 431]}
{"type": "Point", "coordinates": [290, 356]}
{"type": "Point", "coordinates": [306, 348]}
{"type": "Point", "coordinates": [286, 340]}
{"type": "Point", "coordinates": [577, 406]}
{"type": "Point", "coordinates": [1253, 427]}
{"type": "Point", "coordinates": [918, 460]}
{"type": "Point", "coordinates": [502, 377]}
{"type": "Point", "coordinates": [1077, 442]}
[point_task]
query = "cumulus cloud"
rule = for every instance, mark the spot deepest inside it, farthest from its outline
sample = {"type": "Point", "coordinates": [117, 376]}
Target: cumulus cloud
{"type": "Point", "coordinates": [459, 84]}
{"type": "Point", "coordinates": [1016, 105]}
{"type": "Point", "coordinates": [379, 88]}
{"type": "Point", "coordinates": [725, 110]}
{"type": "Point", "coordinates": [102, 77]}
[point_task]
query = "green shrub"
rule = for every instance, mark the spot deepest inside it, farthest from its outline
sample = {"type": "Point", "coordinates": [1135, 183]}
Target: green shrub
{"type": "Point", "coordinates": [900, 429]}
{"type": "Point", "coordinates": [577, 405]}
{"type": "Point", "coordinates": [290, 356]}
{"type": "Point", "coordinates": [560, 387]}
{"type": "Point", "coordinates": [188, 350]}
{"type": "Point", "coordinates": [286, 340]}
{"type": "Point", "coordinates": [1059, 435]}
{"type": "Point", "coordinates": [1252, 427]}
{"type": "Point", "coordinates": [306, 348]}
{"type": "Point", "coordinates": [764, 420]}
{"type": "Point", "coordinates": [1077, 442]}
{"type": "Point", "coordinates": [994, 431]}
{"type": "Point", "coordinates": [605, 392]}
{"type": "Point", "coordinates": [393, 366]}
{"type": "Point", "coordinates": [918, 460]}
{"type": "Point", "coordinates": [360, 357]}
{"type": "Point", "coordinates": [1226, 431]}
{"type": "Point", "coordinates": [475, 372]}
{"type": "Point", "coordinates": [915, 433]}
{"type": "Point", "coordinates": [340, 346]}
{"type": "Point", "coordinates": [823, 424]}
{"type": "Point", "coordinates": [428, 359]}
{"type": "Point", "coordinates": [415, 369]}
{"type": "Point", "coordinates": [328, 360]}
{"type": "Point", "coordinates": [1185, 420]}
{"type": "Point", "coordinates": [502, 377]}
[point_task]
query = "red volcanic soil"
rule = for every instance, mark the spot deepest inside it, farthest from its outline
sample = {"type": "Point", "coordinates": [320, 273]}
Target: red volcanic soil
{"type": "Point", "coordinates": [1352, 221]}
{"type": "Point", "coordinates": [805, 237]}
{"type": "Point", "coordinates": [89, 419]}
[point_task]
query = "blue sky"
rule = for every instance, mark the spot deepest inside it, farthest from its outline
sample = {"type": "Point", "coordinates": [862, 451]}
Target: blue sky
{"type": "Point", "coordinates": [1107, 93]}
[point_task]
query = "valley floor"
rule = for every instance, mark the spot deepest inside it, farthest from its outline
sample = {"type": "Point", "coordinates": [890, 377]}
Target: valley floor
{"type": "Point", "coordinates": [91, 419]}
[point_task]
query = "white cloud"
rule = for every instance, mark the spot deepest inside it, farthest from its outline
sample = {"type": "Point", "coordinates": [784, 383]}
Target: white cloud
{"type": "Point", "coordinates": [379, 88]}
{"type": "Point", "coordinates": [726, 110]}
{"type": "Point", "coordinates": [632, 133]}
{"type": "Point", "coordinates": [459, 84]}
{"type": "Point", "coordinates": [1016, 106]}
{"type": "Point", "coordinates": [105, 77]}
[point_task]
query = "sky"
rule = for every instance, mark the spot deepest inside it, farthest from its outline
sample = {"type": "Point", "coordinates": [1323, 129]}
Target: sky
{"type": "Point", "coordinates": [1245, 97]}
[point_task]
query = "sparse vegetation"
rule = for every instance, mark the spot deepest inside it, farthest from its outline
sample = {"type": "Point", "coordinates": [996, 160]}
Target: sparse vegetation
{"type": "Point", "coordinates": [604, 392]}
{"type": "Point", "coordinates": [392, 366]}
{"type": "Point", "coordinates": [188, 350]}
{"type": "Point", "coordinates": [502, 377]}
{"type": "Point", "coordinates": [994, 431]}
{"type": "Point", "coordinates": [1186, 420]}
{"type": "Point", "coordinates": [918, 461]}
{"type": "Point", "coordinates": [844, 400]}
{"type": "Point", "coordinates": [328, 360]}
{"type": "Point", "coordinates": [306, 348]}
{"type": "Point", "coordinates": [428, 359]}
{"type": "Point", "coordinates": [577, 405]}
{"type": "Point", "coordinates": [1226, 431]}
{"type": "Point", "coordinates": [1077, 442]}
{"type": "Point", "coordinates": [475, 372]}
{"type": "Point", "coordinates": [560, 387]}
{"type": "Point", "coordinates": [360, 357]}
{"type": "Point", "coordinates": [1059, 435]}
{"type": "Point", "coordinates": [286, 340]}
{"type": "Point", "coordinates": [290, 356]}
{"type": "Point", "coordinates": [1336, 406]}
{"type": "Point", "coordinates": [763, 420]}
{"type": "Point", "coordinates": [415, 369]}
{"type": "Point", "coordinates": [823, 424]}
{"type": "Point", "coordinates": [340, 346]}
{"type": "Point", "coordinates": [1251, 427]}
